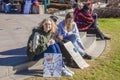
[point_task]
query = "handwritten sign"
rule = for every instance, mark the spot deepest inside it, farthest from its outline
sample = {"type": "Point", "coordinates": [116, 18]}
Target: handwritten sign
{"type": "Point", "coordinates": [52, 65]}
{"type": "Point", "coordinates": [76, 55]}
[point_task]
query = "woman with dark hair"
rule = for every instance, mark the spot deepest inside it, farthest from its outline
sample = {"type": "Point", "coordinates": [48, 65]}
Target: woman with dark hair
{"type": "Point", "coordinates": [86, 20]}
{"type": "Point", "coordinates": [67, 29]}
{"type": "Point", "coordinates": [6, 6]}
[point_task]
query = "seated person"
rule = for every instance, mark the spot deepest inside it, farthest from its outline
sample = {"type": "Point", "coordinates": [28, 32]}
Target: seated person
{"type": "Point", "coordinates": [54, 18]}
{"type": "Point", "coordinates": [86, 19]}
{"type": "Point", "coordinates": [43, 42]}
{"type": "Point", "coordinates": [77, 7]}
{"type": "Point", "coordinates": [67, 29]}
{"type": "Point", "coordinates": [6, 6]}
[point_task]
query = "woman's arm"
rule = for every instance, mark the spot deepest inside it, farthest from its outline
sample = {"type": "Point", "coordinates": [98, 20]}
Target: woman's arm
{"type": "Point", "coordinates": [61, 31]}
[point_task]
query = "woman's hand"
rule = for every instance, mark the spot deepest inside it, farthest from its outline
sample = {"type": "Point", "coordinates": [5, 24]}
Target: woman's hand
{"type": "Point", "coordinates": [51, 42]}
{"type": "Point", "coordinates": [60, 37]}
{"type": "Point", "coordinates": [70, 32]}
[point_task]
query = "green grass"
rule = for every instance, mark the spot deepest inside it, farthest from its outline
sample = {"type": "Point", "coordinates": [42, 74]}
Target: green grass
{"type": "Point", "coordinates": [105, 67]}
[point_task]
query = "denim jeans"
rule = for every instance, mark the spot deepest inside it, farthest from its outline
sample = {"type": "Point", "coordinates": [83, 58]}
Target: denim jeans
{"type": "Point", "coordinates": [54, 48]}
{"type": "Point", "coordinates": [95, 24]}
{"type": "Point", "coordinates": [73, 39]}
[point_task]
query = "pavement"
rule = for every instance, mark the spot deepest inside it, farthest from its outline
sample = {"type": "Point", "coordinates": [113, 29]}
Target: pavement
{"type": "Point", "coordinates": [14, 32]}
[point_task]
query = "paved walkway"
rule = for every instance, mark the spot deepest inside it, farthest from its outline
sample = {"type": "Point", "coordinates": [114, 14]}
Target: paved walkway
{"type": "Point", "coordinates": [14, 32]}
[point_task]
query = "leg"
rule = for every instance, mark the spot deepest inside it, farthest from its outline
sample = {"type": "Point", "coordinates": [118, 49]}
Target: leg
{"type": "Point", "coordinates": [101, 35]}
{"type": "Point", "coordinates": [97, 30]}
{"type": "Point", "coordinates": [95, 24]}
{"type": "Point", "coordinates": [56, 49]}
{"type": "Point", "coordinates": [38, 57]}
{"type": "Point", "coordinates": [73, 39]}
{"type": "Point", "coordinates": [50, 49]}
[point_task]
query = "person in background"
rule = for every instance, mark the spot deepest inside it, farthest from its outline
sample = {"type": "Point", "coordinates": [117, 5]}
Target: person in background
{"type": "Point", "coordinates": [86, 19]}
{"type": "Point", "coordinates": [76, 1]}
{"type": "Point", "coordinates": [6, 6]}
{"type": "Point", "coordinates": [44, 42]}
{"type": "Point", "coordinates": [77, 7]}
{"type": "Point", "coordinates": [72, 2]}
{"type": "Point", "coordinates": [22, 2]}
{"type": "Point", "coordinates": [54, 18]}
{"type": "Point", "coordinates": [67, 29]}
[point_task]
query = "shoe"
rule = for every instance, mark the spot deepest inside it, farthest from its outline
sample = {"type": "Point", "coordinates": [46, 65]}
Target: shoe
{"type": "Point", "coordinates": [107, 38]}
{"type": "Point", "coordinates": [66, 73]}
{"type": "Point", "coordinates": [69, 70]}
{"type": "Point", "coordinates": [86, 56]}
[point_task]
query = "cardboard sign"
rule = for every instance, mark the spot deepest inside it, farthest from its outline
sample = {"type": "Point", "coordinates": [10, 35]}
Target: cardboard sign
{"type": "Point", "coordinates": [52, 65]}
{"type": "Point", "coordinates": [75, 55]}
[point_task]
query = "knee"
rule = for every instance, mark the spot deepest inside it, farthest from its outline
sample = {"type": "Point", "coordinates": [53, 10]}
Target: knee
{"type": "Point", "coordinates": [95, 15]}
{"type": "Point", "coordinates": [74, 36]}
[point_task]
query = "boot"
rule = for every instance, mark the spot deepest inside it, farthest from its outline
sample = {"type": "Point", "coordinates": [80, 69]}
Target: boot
{"type": "Point", "coordinates": [86, 56]}
{"type": "Point", "coordinates": [101, 35]}
{"type": "Point", "coordinates": [107, 38]}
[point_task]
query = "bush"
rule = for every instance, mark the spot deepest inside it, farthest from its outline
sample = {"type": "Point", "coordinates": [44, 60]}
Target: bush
{"type": "Point", "coordinates": [108, 12]}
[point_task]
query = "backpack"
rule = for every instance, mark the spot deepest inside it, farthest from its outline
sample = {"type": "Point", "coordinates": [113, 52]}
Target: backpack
{"type": "Point", "coordinates": [29, 49]}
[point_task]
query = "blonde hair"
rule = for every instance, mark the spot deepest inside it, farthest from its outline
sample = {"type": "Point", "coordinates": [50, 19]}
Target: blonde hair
{"type": "Point", "coordinates": [53, 25]}
{"type": "Point", "coordinates": [69, 26]}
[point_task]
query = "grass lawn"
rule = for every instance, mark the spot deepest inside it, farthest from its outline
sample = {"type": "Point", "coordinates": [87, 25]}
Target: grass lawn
{"type": "Point", "coordinates": [105, 67]}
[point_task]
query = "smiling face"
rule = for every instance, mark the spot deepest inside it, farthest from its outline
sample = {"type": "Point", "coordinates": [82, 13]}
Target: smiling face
{"type": "Point", "coordinates": [47, 26]}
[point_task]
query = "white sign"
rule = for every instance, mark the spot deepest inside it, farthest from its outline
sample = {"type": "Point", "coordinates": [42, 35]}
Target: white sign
{"type": "Point", "coordinates": [52, 65]}
{"type": "Point", "coordinates": [75, 55]}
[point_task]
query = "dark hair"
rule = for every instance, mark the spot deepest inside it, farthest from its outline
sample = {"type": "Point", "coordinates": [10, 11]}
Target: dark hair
{"type": "Point", "coordinates": [69, 15]}
{"type": "Point", "coordinates": [86, 6]}
{"type": "Point", "coordinates": [54, 18]}
{"type": "Point", "coordinates": [70, 25]}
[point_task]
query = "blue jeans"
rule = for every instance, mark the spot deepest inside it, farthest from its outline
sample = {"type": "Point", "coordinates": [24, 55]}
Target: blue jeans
{"type": "Point", "coordinates": [95, 24]}
{"type": "Point", "coordinates": [54, 48]}
{"type": "Point", "coordinates": [6, 7]}
{"type": "Point", "coordinates": [73, 39]}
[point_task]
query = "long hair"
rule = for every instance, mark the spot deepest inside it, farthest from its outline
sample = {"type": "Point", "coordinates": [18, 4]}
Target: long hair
{"type": "Point", "coordinates": [53, 25]}
{"type": "Point", "coordinates": [69, 26]}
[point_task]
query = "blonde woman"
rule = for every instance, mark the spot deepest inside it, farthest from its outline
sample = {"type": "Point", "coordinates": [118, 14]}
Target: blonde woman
{"type": "Point", "coordinates": [67, 29]}
{"type": "Point", "coordinates": [43, 42]}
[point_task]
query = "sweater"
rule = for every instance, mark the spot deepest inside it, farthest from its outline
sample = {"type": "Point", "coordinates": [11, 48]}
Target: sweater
{"type": "Point", "coordinates": [64, 33]}
{"type": "Point", "coordinates": [84, 20]}
{"type": "Point", "coordinates": [40, 41]}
